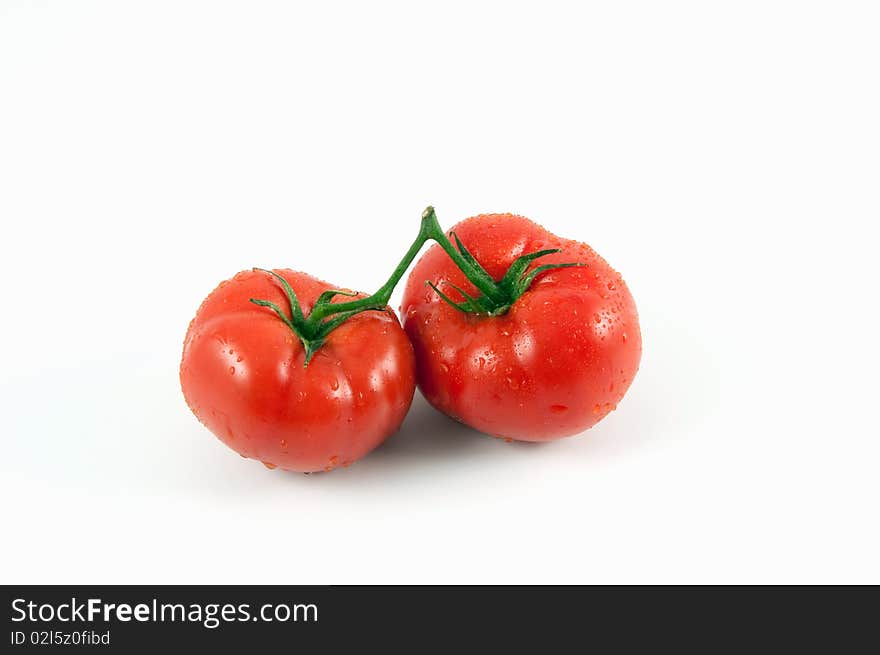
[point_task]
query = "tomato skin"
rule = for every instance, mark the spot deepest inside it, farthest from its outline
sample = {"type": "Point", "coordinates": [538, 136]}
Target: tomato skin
{"type": "Point", "coordinates": [556, 363]}
{"type": "Point", "coordinates": [242, 375]}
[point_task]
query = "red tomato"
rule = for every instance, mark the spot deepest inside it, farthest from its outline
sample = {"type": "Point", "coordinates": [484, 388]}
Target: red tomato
{"type": "Point", "coordinates": [243, 377]}
{"type": "Point", "coordinates": [553, 364]}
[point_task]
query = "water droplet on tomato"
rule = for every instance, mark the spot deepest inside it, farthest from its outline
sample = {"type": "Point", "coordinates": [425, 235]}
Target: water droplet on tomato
{"type": "Point", "coordinates": [239, 358]}
{"type": "Point", "coordinates": [334, 384]}
{"type": "Point", "coordinates": [232, 370]}
{"type": "Point", "coordinates": [334, 459]}
{"type": "Point", "coordinates": [513, 383]}
{"type": "Point", "coordinates": [558, 409]}
{"type": "Point", "coordinates": [283, 443]}
{"type": "Point", "coordinates": [269, 465]}
{"type": "Point", "coordinates": [444, 368]}
{"type": "Point", "coordinates": [597, 409]}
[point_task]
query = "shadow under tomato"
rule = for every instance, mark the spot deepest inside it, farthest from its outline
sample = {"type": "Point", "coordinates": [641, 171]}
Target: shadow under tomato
{"type": "Point", "coordinates": [430, 438]}
{"type": "Point", "coordinates": [427, 432]}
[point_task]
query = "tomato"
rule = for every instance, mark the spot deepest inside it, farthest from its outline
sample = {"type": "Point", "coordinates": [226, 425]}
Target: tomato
{"type": "Point", "coordinates": [545, 364]}
{"type": "Point", "coordinates": [244, 375]}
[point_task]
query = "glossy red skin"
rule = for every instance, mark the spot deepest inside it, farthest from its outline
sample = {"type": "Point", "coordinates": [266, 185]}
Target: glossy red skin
{"type": "Point", "coordinates": [242, 376]}
{"type": "Point", "coordinates": [554, 365]}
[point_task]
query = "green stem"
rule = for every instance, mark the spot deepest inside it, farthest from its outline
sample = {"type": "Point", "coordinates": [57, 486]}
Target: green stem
{"type": "Point", "coordinates": [380, 299]}
{"type": "Point", "coordinates": [313, 330]}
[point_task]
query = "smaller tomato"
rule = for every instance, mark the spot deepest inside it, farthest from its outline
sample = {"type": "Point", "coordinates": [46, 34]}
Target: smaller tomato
{"type": "Point", "coordinates": [295, 395]}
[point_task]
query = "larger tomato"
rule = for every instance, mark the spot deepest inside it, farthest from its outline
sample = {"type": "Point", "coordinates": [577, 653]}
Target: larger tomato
{"type": "Point", "coordinates": [244, 376]}
{"type": "Point", "coordinates": [546, 364]}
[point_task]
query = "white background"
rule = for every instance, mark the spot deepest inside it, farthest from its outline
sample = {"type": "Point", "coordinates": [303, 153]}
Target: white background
{"type": "Point", "coordinates": [725, 157]}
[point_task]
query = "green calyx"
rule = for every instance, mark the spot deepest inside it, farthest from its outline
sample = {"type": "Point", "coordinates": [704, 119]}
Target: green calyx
{"type": "Point", "coordinates": [495, 298]}
{"type": "Point", "coordinates": [312, 330]}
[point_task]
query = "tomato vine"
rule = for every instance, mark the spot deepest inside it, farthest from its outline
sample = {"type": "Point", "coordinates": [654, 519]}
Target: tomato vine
{"type": "Point", "coordinates": [495, 297]}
